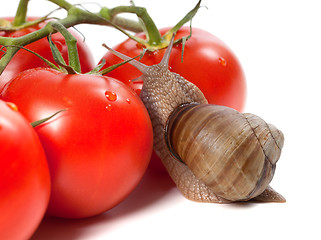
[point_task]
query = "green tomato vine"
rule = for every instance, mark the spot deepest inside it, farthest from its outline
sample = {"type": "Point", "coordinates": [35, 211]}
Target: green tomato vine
{"type": "Point", "coordinates": [77, 15]}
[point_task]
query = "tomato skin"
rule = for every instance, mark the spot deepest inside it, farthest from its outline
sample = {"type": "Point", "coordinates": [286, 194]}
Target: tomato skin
{"type": "Point", "coordinates": [98, 149]}
{"type": "Point", "coordinates": [24, 60]}
{"type": "Point", "coordinates": [208, 63]}
{"type": "Point", "coordinates": [24, 176]}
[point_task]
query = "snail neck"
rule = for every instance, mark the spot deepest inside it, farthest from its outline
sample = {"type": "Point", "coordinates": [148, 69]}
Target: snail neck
{"type": "Point", "coordinates": [164, 90]}
{"type": "Point", "coordinates": [156, 75]}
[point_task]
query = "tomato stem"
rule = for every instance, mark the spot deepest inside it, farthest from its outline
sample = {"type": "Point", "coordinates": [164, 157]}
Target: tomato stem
{"type": "Point", "coordinates": [62, 3]}
{"type": "Point", "coordinates": [188, 17]}
{"type": "Point", "coordinates": [154, 40]}
{"type": "Point", "coordinates": [21, 13]}
{"type": "Point", "coordinates": [154, 37]}
{"type": "Point", "coordinates": [71, 43]}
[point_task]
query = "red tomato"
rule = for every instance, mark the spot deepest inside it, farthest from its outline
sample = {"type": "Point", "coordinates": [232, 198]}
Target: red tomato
{"type": "Point", "coordinates": [98, 149]}
{"type": "Point", "coordinates": [24, 176]}
{"type": "Point", "coordinates": [24, 60]}
{"type": "Point", "coordinates": [208, 63]}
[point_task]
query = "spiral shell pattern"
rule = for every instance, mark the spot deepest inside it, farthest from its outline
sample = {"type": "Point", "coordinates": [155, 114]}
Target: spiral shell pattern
{"type": "Point", "coordinates": [234, 154]}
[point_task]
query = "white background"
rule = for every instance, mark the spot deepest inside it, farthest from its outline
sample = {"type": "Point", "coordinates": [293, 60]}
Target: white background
{"type": "Point", "coordinates": [278, 43]}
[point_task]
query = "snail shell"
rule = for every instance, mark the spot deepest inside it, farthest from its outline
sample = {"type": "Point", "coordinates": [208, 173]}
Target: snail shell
{"type": "Point", "coordinates": [212, 153]}
{"type": "Point", "coordinates": [234, 154]}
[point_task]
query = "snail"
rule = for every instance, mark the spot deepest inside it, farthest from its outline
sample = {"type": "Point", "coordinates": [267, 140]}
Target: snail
{"type": "Point", "coordinates": [213, 153]}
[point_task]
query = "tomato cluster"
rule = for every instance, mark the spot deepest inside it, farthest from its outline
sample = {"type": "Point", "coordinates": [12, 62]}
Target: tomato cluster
{"type": "Point", "coordinates": [94, 149]}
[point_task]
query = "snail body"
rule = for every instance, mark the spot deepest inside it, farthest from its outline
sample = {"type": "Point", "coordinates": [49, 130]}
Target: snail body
{"type": "Point", "coordinates": [213, 153]}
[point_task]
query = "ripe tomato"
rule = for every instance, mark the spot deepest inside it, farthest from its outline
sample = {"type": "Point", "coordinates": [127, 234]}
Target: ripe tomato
{"type": "Point", "coordinates": [208, 63]}
{"type": "Point", "coordinates": [24, 60]}
{"type": "Point", "coordinates": [98, 149]}
{"type": "Point", "coordinates": [24, 176]}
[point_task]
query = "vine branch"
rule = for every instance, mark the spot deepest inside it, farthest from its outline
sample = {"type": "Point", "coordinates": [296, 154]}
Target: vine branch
{"type": "Point", "coordinates": [75, 16]}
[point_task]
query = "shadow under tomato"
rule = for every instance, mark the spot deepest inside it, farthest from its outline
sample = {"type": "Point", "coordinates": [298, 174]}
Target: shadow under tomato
{"type": "Point", "coordinates": [154, 186]}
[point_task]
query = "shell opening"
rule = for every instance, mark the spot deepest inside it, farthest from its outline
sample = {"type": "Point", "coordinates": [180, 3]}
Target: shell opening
{"type": "Point", "coordinates": [171, 122]}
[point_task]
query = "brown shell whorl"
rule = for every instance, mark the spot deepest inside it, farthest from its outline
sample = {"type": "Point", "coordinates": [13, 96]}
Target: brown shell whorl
{"type": "Point", "coordinates": [234, 154]}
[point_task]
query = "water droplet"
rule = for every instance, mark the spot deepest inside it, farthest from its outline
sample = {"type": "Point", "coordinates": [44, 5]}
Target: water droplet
{"type": "Point", "coordinates": [111, 96]}
{"type": "Point", "coordinates": [12, 106]}
{"type": "Point", "coordinates": [222, 61]}
{"type": "Point", "coordinates": [109, 107]}
{"type": "Point", "coordinates": [128, 100]}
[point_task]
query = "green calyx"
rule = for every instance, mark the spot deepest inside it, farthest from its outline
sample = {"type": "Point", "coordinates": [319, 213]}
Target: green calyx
{"type": "Point", "coordinates": [74, 65]}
